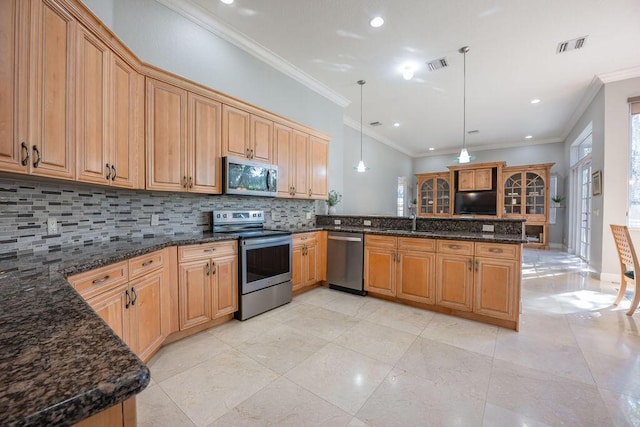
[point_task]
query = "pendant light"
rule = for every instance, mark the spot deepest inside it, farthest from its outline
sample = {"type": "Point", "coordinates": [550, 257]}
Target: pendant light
{"type": "Point", "coordinates": [361, 167]}
{"type": "Point", "coordinates": [464, 154]}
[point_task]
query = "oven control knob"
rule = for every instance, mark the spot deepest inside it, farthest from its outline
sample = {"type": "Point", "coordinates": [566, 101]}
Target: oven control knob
{"type": "Point", "coordinates": [254, 215]}
{"type": "Point", "coordinates": [224, 216]}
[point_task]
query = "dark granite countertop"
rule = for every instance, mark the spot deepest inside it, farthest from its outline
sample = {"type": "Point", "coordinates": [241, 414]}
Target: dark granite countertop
{"type": "Point", "coordinates": [59, 362]}
{"type": "Point", "coordinates": [449, 235]}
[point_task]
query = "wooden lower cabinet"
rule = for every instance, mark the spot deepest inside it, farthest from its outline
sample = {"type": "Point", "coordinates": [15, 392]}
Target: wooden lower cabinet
{"type": "Point", "coordinates": [306, 260]}
{"type": "Point", "coordinates": [122, 414]}
{"type": "Point", "coordinates": [380, 270]}
{"type": "Point", "coordinates": [416, 276]}
{"type": "Point", "coordinates": [495, 293]}
{"type": "Point", "coordinates": [454, 280]}
{"type": "Point", "coordinates": [208, 286]}
{"type": "Point", "coordinates": [112, 306]}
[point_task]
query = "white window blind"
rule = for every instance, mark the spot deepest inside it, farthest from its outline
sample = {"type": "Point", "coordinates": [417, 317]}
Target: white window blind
{"type": "Point", "coordinates": [634, 166]}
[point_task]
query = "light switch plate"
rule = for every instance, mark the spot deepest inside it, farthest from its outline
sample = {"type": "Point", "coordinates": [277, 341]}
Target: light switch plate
{"type": "Point", "coordinates": [155, 219]}
{"type": "Point", "coordinates": [337, 222]}
{"type": "Point", "coordinates": [52, 226]}
{"type": "Point", "coordinates": [275, 216]}
{"type": "Point", "coordinates": [367, 222]}
{"type": "Point", "coordinates": [488, 228]}
{"type": "Point", "coordinates": [309, 215]}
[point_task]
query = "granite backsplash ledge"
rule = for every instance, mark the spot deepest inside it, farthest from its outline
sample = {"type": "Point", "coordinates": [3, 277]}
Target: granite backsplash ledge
{"type": "Point", "coordinates": [474, 225]}
{"type": "Point", "coordinates": [88, 213]}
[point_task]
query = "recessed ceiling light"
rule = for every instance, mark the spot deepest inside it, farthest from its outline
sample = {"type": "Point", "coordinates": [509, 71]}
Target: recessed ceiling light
{"type": "Point", "coordinates": [431, 148]}
{"type": "Point", "coordinates": [227, 1]}
{"type": "Point", "coordinates": [396, 124]}
{"type": "Point", "coordinates": [535, 101]}
{"type": "Point", "coordinates": [376, 22]}
{"type": "Point", "coordinates": [529, 136]}
{"type": "Point", "coordinates": [407, 74]}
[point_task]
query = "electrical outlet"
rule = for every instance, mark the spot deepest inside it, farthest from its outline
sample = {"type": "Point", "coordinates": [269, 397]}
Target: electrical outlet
{"type": "Point", "coordinates": [275, 216]}
{"type": "Point", "coordinates": [52, 226]}
{"type": "Point", "coordinates": [309, 215]}
{"type": "Point", "coordinates": [488, 228]}
{"type": "Point", "coordinates": [155, 219]}
{"type": "Point", "coordinates": [337, 222]}
{"type": "Point", "coordinates": [367, 222]}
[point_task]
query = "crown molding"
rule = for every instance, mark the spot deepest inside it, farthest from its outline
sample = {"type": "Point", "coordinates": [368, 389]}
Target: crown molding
{"type": "Point", "coordinates": [201, 17]}
{"type": "Point", "coordinates": [614, 76]}
{"type": "Point", "coordinates": [485, 147]}
{"type": "Point", "coordinates": [382, 139]}
{"type": "Point", "coordinates": [590, 94]}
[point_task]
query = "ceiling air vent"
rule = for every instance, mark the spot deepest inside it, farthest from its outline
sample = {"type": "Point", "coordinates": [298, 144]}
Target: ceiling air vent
{"type": "Point", "coordinates": [571, 44]}
{"type": "Point", "coordinates": [470, 132]}
{"type": "Point", "coordinates": [436, 64]}
{"type": "Point", "coordinates": [375, 124]}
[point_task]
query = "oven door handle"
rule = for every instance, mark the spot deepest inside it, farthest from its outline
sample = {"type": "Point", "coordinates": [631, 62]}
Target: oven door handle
{"type": "Point", "coordinates": [268, 241]}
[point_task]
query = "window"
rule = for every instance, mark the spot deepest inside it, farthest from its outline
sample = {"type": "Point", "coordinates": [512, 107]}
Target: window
{"type": "Point", "coordinates": [634, 166]}
{"type": "Point", "coordinates": [402, 195]}
{"type": "Point", "coordinates": [553, 189]}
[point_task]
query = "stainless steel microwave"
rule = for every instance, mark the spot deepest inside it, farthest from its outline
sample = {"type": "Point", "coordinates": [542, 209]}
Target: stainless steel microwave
{"type": "Point", "coordinates": [242, 176]}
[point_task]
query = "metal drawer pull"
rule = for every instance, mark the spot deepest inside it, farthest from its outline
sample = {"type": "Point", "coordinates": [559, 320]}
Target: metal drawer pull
{"type": "Point", "coordinates": [147, 263]}
{"type": "Point", "coordinates": [455, 247]}
{"type": "Point", "coordinates": [135, 296]}
{"type": "Point", "coordinates": [495, 250]}
{"type": "Point", "coordinates": [25, 160]}
{"type": "Point", "coordinates": [209, 250]}
{"type": "Point", "coordinates": [103, 279]}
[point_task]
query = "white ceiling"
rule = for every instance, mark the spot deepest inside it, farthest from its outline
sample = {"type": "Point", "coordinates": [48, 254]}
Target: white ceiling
{"type": "Point", "coordinates": [512, 60]}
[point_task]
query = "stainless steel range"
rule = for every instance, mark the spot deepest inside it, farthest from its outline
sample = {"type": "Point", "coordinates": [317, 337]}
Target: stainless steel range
{"type": "Point", "coordinates": [264, 276]}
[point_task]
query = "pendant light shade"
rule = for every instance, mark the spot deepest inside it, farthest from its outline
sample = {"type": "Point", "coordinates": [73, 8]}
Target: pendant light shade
{"type": "Point", "coordinates": [464, 154]}
{"type": "Point", "coordinates": [361, 166]}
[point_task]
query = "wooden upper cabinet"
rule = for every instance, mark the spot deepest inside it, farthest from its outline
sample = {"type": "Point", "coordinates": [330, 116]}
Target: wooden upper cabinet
{"type": "Point", "coordinates": [483, 179]}
{"type": "Point", "coordinates": [261, 139]}
{"type": "Point", "coordinates": [434, 194]}
{"type": "Point", "coordinates": [236, 126]}
{"type": "Point", "coordinates": [283, 158]}
{"type": "Point", "coordinates": [300, 165]}
{"type": "Point", "coordinates": [318, 168]}
{"type": "Point", "coordinates": [475, 179]}
{"type": "Point", "coordinates": [166, 113]}
{"type": "Point", "coordinates": [205, 150]}
{"type": "Point", "coordinates": [14, 30]}
{"type": "Point", "coordinates": [51, 105]}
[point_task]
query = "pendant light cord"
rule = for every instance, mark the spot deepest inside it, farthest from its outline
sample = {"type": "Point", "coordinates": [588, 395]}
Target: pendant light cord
{"type": "Point", "coordinates": [464, 98]}
{"type": "Point", "coordinates": [361, 83]}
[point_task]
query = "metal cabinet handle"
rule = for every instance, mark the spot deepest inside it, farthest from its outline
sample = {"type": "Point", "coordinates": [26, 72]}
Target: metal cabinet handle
{"type": "Point", "coordinates": [208, 269]}
{"type": "Point", "coordinates": [247, 153]}
{"type": "Point", "coordinates": [128, 299]}
{"type": "Point", "coordinates": [470, 264]}
{"type": "Point", "coordinates": [310, 193]}
{"type": "Point", "coordinates": [101, 280]}
{"type": "Point", "coordinates": [25, 152]}
{"type": "Point", "coordinates": [108, 177]}
{"type": "Point", "coordinates": [495, 250]}
{"type": "Point", "coordinates": [252, 153]}
{"type": "Point", "coordinates": [304, 238]}
{"type": "Point", "coordinates": [135, 296]}
{"type": "Point", "coordinates": [454, 247]}
{"type": "Point", "coordinates": [184, 181]}
{"type": "Point", "coordinates": [36, 163]}
{"type": "Point", "coordinates": [190, 182]}
{"type": "Point", "coordinates": [213, 271]}
{"type": "Point", "coordinates": [147, 263]}
{"type": "Point", "coordinates": [477, 265]}
{"type": "Point", "coordinates": [113, 175]}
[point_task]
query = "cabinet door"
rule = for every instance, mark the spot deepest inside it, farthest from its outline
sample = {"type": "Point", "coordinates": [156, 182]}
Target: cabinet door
{"type": "Point", "coordinates": [205, 148]}
{"type": "Point", "coordinates": [443, 197]}
{"type": "Point", "coordinates": [51, 117]}
{"type": "Point", "coordinates": [194, 284]}
{"type": "Point", "coordinates": [150, 316]}
{"type": "Point", "coordinates": [225, 285]}
{"type": "Point", "coordinates": [416, 276]}
{"type": "Point", "coordinates": [282, 156]}
{"type": "Point", "coordinates": [427, 199]}
{"type": "Point", "coordinates": [380, 270]}
{"type": "Point", "coordinates": [318, 166]}
{"type": "Point", "coordinates": [261, 139]}
{"type": "Point", "coordinates": [483, 179]}
{"type": "Point", "coordinates": [496, 285]}
{"type": "Point", "coordinates": [466, 180]}
{"type": "Point", "coordinates": [166, 107]}
{"type": "Point", "coordinates": [297, 267]}
{"type": "Point", "coordinates": [454, 275]}
{"type": "Point", "coordinates": [513, 195]}
{"type": "Point", "coordinates": [113, 307]}
{"type": "Point", "coordinates": [535, 196]}
{"type": "Point", "coordinates": [92, 95]}
{"type": "Point", "coordinates": [311, 264]}
{"type": "Point", "coordinates": [235, 132]}
{"type": "Point", "coordinates": [126, 144]}
{"type": "Point", "coordinates": [300, 167]}
{"type": "Point", "coordinates": [13, 86]}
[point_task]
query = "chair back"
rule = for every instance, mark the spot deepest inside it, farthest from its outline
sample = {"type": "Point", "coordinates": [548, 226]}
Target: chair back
{"type": "Point", "coordinates": [626, 252]}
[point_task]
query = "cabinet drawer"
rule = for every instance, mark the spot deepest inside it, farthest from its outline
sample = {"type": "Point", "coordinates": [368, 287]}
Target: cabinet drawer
{"type": "Point", "coordinates": [305, 238]}
{"type": "Point", "coordinates": [381, 241]}
{"type": "Point", "coordinates": [144, 264]}
{"type": "Point", "coordinates": [416, 244]}
{"type": "Point", "coordinates": [207, 250]}
{"type": "Point", "coordinates": [95, 282]}
{"type": "Point", "coordinates": [497, 250]}
{"type": "Point", "coordinates": [455, 247]}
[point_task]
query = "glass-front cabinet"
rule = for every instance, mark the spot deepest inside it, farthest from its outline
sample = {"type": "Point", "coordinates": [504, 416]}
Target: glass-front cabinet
{"type": "Point", "coordinates": [434, 195]}
{"type": "Point", "coordinates": [513, 195]}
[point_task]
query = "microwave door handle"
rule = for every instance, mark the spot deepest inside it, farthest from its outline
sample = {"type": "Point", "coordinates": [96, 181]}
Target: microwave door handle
{"type": "Point", "coordinates": [268, 179]}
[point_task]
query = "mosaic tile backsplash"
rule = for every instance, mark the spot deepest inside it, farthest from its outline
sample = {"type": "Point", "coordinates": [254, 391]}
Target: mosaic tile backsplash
{"type": "Point", "coordinates": [90, 213]}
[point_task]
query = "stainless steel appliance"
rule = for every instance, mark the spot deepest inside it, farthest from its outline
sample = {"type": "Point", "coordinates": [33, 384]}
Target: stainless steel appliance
{"type": "Point", "coordinates": [249, 178]}
{"type": "Point", "coordinates": [264, 276]}
{"type": "Point", "coordinates": [345, 254]}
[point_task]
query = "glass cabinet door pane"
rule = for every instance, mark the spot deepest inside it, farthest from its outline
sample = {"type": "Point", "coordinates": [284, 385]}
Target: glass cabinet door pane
{"type": "Point", "coordinates": [535, 194]}
{"type": "Point", "coordinates": [513, 194]}
{"type": "Point", "coordinates": [442, 200]}
{"type": "Point", "coordinates": [426, 197]}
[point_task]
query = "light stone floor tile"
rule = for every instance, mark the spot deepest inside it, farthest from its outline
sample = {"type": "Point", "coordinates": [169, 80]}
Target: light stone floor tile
{"type": "Point", "coordinates": [545, 397]}
{"type": "Point", "coordinates": [496, 416]}
{"type": "Point", "coordinates": [355, 305]}
{"type": "Point", "coordinates": [562, 360]}
{"type": "Point", "coordinates": [404, 399]}
{"type": "Point", "coordinates": [156, 409]}
{"type": "Point", "coordinates": [462, 333]}
{"type": "Point", "coordinates": [380, 342]}
{"type": "Point", "coordinates": [401, 317]}
{"type": "Point", "coordinates": [180, 356]}
{"type": "Point", "coordinates": [613, 320]}
{"type": "Point", "coordinates": [288, 312]}
{"type": "Point", "coordinates": [209, 390]}
{"type": "Point", "coordinates": [444, 364]}
{"type": "Point", "coordinates": [621, 375]}
{"type": "Point", "coordinates": [283, 403]}
{"type": "Point", "coordinates": [323, 323]}
{"type": "Point", "coordinates": [319, 296]}
{"type": "Point", "coordinates": [554, 329]}
{"type": "Point", "coordinates": [281, 348]}
{"type": "Point", "coordinates": [341, 376]}
{"type": "Point", "coordinates": [235, 332]}
{"type": "Point", "coordinates": [624, 409]}
{"type": "Point", "coordinates": [607, 341]}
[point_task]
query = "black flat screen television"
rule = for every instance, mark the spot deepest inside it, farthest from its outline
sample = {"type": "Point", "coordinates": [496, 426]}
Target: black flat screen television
{"type": "Point", "coordinates": [476, 202]}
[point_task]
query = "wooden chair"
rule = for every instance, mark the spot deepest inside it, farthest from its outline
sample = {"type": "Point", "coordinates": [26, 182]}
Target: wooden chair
{"type": "Point", "coordinates": [628, 264]}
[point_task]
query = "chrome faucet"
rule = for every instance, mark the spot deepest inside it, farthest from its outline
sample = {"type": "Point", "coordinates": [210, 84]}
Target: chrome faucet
{"type": "Point", "coordinates": [413, 221]}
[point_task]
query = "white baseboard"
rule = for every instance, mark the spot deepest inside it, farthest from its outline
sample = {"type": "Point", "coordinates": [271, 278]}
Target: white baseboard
{"type": "Point", "coordinates": [610, 277]}
{"type": "Point", "coordinates": [557, 246]}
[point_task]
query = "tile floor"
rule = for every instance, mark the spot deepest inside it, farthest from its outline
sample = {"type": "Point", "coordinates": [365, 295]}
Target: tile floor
{"type": "Point", "coordinates": [334, 359]}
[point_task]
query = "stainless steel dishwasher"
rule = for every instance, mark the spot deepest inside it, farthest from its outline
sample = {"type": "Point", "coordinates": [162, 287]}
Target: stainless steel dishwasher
{"type": "Point", "coordinates": [345, 254]}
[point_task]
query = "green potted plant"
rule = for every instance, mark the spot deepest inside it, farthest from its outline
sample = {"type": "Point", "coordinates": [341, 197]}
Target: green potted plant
{"type": "Point", "coordinates": [557, 200]}
{"type": "Point", "coordinates": [332, 200]}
